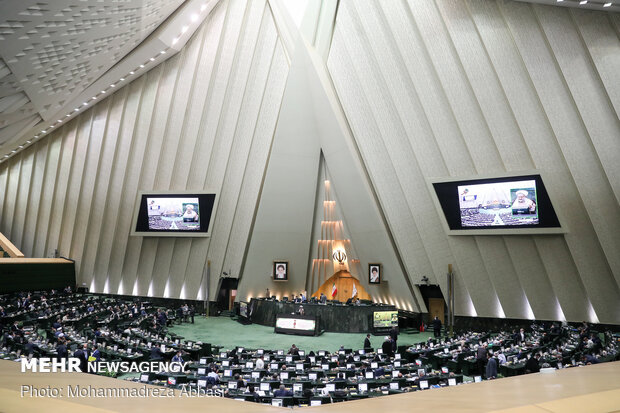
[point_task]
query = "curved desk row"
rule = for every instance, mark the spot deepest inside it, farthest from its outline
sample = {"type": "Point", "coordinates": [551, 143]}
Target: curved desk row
{"type": "Point", "coordinates": [332, 317]}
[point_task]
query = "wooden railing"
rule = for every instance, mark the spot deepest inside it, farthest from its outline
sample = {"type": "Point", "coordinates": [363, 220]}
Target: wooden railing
{"type": "Point", "coordinates": [9, 248]}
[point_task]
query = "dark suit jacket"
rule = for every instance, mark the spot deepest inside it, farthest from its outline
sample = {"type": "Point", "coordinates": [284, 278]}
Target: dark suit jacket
{"type": "Point", "coordinates": [532, 365]}
{"type": "Point", "coordinates": [282, 393]}
{"type": "Point", "coordinates": [387, 348]}
{"type": "Point", "coordinates": [367, 343]}
{"type": "Point", "coordinates": [491, 368]}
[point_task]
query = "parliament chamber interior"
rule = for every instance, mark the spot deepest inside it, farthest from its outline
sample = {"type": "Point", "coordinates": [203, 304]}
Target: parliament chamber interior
{"type": "Point", "coordinates": [257, 205]}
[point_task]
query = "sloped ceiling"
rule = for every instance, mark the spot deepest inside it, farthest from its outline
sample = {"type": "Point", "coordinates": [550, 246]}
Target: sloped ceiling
{"type": "Point", "coordinates": [52, 51]}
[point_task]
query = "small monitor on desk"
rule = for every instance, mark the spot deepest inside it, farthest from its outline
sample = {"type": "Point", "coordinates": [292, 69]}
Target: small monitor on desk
{"type": "Point", "coordinates": [394, 386]}
{"type": "Point", "coordinates": [265, 386]}
{"type": "Point", "coordinates": [298, 387]}
{"type": "Point", "coordinates": [232, 384]}
{"type": "Point", "coordinates": [370, 375]}
{"type": "Point", "coordinates": [331, 387]}
{"type": "Point", "coordinates": [315, 402]}
{"type": "Point", "coordinates": [362, 387]}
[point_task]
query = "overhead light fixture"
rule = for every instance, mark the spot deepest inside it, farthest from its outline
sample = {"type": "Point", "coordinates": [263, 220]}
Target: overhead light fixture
{"type": "Point", "coordinates": [152, 59]}
{"type": "Point", "coordinates": [194, 17]}
{"type": "Point", "coordinates": [112, 85]}
{"type": "Point", "coordinates": [132, 72]}
{"type": "Point", "coordinates": [184, 29]}
{"type": "Point", "coordinates": [203, 7]}
{"type": "Point", "coordinates": [163, 52]}
{"type": "Point", "coordinates": [122, 79]}
{"type": "Point", "coordinates": [176, 39]}
{"type": "Point", "coordinates": [583, 2]}
{"type": "Point", "coordinates": [85, 103]}
{"type": "Point", "coordinates": [103, 91]}
{"type": "Point", "coordinates": [77, 109]}
{"type": "Point", "coordinates": [28, 141]}
{"type": "Point", "coordinates": [141, 65]}
{"type": "Point", "coordinates": [68, 114]}
{"type": "Point", "coordinates": [94, 98]}
{"type": "Point", "coordinates": [607, 4]}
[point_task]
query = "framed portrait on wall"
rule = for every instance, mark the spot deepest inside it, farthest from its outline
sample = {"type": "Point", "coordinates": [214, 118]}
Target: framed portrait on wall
{"type": "Point", "coordinates": [280, 270]}
{"type": "Point", "coordinates": [374, 273]}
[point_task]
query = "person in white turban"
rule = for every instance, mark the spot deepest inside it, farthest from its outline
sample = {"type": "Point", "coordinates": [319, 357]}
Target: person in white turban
{"type": "Point", "coordinates": [523, 202]}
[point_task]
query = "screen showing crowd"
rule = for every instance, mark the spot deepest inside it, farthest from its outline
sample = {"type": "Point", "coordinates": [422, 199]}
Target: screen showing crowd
{"type": "Point", "coordinates": [498, 204]}
{"type": "Point", "coordinates": [177, 214]}
{"type": "Point", "coordinates": [385, 319]}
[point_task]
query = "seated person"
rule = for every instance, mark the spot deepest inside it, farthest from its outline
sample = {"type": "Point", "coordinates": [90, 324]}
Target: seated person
{"type": "Point", "coordinates": [254, 396]}
{"type": "Point", "coordinates": [282, 392]}
{"type": "Point", "coordinates": [293, 351]}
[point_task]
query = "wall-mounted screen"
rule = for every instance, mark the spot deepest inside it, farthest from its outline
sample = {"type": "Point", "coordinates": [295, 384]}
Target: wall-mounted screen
{"type": "Point", "coordinates": [505, 203]}
{"type": "Point", "coordinates": [385, 319]}
{"type": "Point", "coordinates": [243, 309]}
{"type": "Point", "coordinates": [177, 214]}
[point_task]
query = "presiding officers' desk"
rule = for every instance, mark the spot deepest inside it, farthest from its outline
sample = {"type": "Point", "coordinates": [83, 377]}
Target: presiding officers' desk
{"type": "Point", "coordinates": [332, 317]}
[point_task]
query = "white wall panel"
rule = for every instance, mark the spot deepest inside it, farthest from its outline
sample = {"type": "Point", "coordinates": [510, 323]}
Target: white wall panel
{"type": "Point", "coordinates": [491, 87]}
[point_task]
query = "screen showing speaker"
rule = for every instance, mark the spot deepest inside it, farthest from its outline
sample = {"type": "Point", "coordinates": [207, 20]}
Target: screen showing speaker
{"type": "Point", "coordinates": [496, 203]}
{"type": "Point", "coordinates": [174, 214]}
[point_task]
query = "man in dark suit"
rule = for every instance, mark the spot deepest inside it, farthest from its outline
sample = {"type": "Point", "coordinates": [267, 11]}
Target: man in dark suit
{"type": "Point", "coordinates": [387, 346]}
{"type": "Point", "coordinates": [156, 353]}
{"type": "Point", "coordinates": [532, 365]}
{"type": "Point", "coordinates": [282, 392]}
{"type": "Point", "coordinates": [96, 354]}
{"type": "Point", "coordinates": [367, 345]}
{"type": "Point", "coordinates": [83, 357]}
{"type": "Point", "coordinates": [394, 337]}
{"type": "Point", "coordinates": [520, 338]}
{"type": "Point", "coordinates": [323, 298]}
{"type": "Point", "coordinates": [437, 326]}
{"type": "Point", "coordinates": [491, 371]}
{"type": "Point", "coordinates": [61, 349]}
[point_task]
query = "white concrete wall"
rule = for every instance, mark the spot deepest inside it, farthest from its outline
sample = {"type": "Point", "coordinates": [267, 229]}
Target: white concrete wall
{"type": "Point", "coordinates": [456, 88]}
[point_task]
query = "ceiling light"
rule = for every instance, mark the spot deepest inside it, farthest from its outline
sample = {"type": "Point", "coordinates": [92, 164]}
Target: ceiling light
{"type": "Point", "coordinates": [560, 1]}
{"type": "Point", "coordinates": [203, 7]}
{"type": "Point", "coordinates": [103, 91]}
{"type": "Point", "coordinates": [94, 98]}
{"type": "Point", "coordinates": [59, 121]}
{"type": "Point", "coordinates": [184, 29]}
{"type": "Point", "coordinates": [43, 131]}
{"type": "Point", "coordinates": [607, 4]}
{"type": "Point", "coordinates": [152, 59]}
{"type": "Point", "coordinates": [176, 39]}
{"type": "Point", "coordinates": [85, 103]}
{"type": "Point", "coordinates": [122, 79]}
{"type": "Point", "coordinates": [132, 72]}
{"type": "Point", "coordinates": [77, 109]}
{"type": "Point", "coordinates": [194, 17]}
{"type": "Point", "coordinates": [163, 52]}
{"type": "Point", "coordinates": [141, 65]}
{"type": "Point", "coordinates": [28, 141]}
{"type": "Point", "coordinates": [12, 151]}
{"type": "Point", "coordinates": [21, 146]}
{"type": "Point", "coordinates": [112, 85]}
{"type": "Point", "coordinates": [583, 2]}
{"type": "Point", "coordinates": [68, 114]}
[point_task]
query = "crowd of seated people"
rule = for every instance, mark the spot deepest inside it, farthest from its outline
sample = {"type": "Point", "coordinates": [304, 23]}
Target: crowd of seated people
{"type": "Point", "coordinates": [62, 324]}
{"type": "Point", "coordinates": [96, 327]}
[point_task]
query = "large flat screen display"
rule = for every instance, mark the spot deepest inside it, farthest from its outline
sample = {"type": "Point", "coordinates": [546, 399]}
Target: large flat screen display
{"type": "Point", "coordinates": [174, 214]}
{"type": "Point", "coordinates": [296, 324]}
{"type": "Point", "coordinates": [385, 319]}
{"type": "Point", "coordinates": [243, 309]}
{"type": "Point", "coordinates": [498, 204]}
{"type": "Point", "coordinates": [505, 203]}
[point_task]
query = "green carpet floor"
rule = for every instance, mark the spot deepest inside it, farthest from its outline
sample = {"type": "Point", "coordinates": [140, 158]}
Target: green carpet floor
{"type": "Point", "coordinates": [228, 333]}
